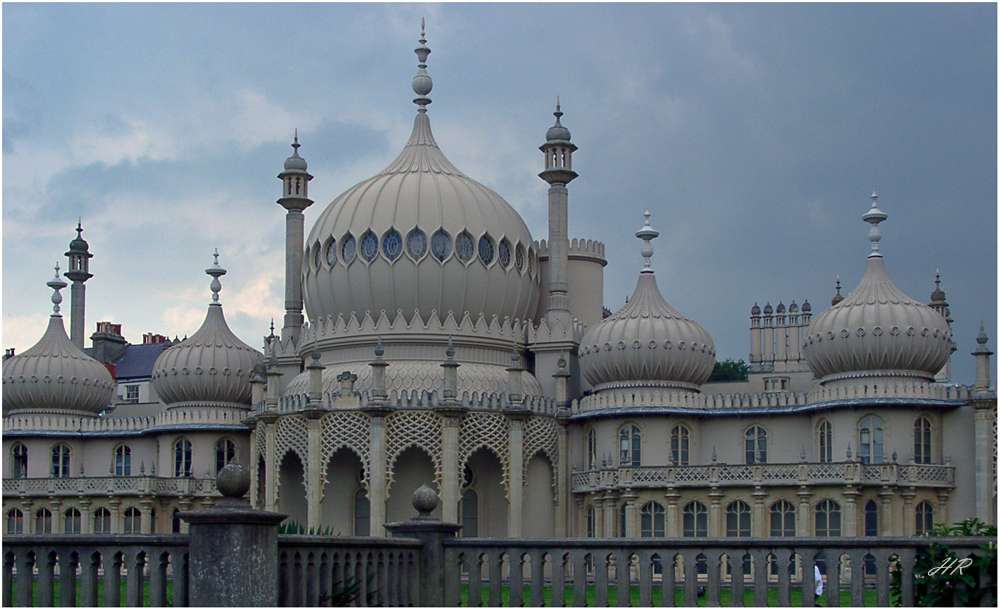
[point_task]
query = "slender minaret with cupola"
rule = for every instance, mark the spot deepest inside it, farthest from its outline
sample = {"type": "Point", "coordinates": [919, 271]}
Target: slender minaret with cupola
{"type": "Point", "coordinates": [558, 151]}
{"type": "Point", "coordinates": [294, 198]}
{"type": "Point", "coordinates": [79, 272]}
{"type": "Point", "coordinates": [939, 303]}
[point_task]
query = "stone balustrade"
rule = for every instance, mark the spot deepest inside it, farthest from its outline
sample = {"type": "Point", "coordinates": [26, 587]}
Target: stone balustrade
{"type": "Point", "coordinates": [104, 486]}
{"type": "Point", "coordinates": [199, 415]}
{"type": "Point", "coordinates": [751, 475]}
{"type": "Point", "coordinates": [417, 400]}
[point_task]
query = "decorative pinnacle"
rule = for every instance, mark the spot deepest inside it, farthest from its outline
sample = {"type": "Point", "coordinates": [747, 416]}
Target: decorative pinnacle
{"type": "Point", "coordinates": [873, 217]}
{"type": "Point", "coordinates": [216, 272]}
{"type": "Point", "coordinates": [647, 234]}
{"type": "Point", "coordinates": [379, 350]}
{"type": "Point", "coordinates": [56, 284]}
{"type": "Point", "coordinates": [422, 83]}
{"type": "Point", "coordinates": [937, 278]}
{"type": "Point", "coordinates": [981, 339]}
{"type": "Point", "coordinates": [450, 350]}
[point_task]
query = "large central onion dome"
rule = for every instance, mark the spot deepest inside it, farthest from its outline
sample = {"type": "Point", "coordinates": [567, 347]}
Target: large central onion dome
{"type": "Point", "coordinates": [877, 331]}
{"type": "Point", "coordinates": [55, 375]}
{"type": "Point", "coordinates": [647, 342]}
{"type": "Point", "coordinates": [420, 235]}
{"type": "Point", "coordinates": [212, 366]}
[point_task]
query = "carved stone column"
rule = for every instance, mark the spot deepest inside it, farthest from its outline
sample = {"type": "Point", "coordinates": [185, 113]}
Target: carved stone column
{"type": "Point", "coordinates": [632, 527]}
{"type": "Point", "coordinates": [116, 506]}
{"type": "Point", "coordinates": [515, 493]}
{"type": "Point", "coordinates": [985, 457]}
{"type": "Point", "coordinates": [86, 524]}
{"type": "Point", "coordinates": [378, 466]}
{"type": "Point", "coordinates": [270, 419]}
{"type": "Point", "coordinates": [451, 476]}
{"type": "Point", "coordinates": [759, 516]}
{"type": "Point", "coordinates": [314, 486]}
{"type": "Point", "coordinates": [850, 524]}
{"type": "Point", "coordinates": [885, 495]}
{"type": "Point", "coordinates": [562, 474]}
{"type": "Point", "coordinates": [674, 529]}
{"type": "Point", "coordinates": [804, 518]}
{"type": "Point", "coordinates": [146, 516]}
{"type": "Point", "coordinates": [609, 516]}
{"type": "Point", "coordinates": [942, 512]}
{"type": "Point", "coordinates": [715, 528]}
{"type": "Point", "coordinates": [909, 522]}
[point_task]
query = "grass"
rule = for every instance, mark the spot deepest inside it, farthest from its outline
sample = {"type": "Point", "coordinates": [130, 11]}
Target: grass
{"type": "Point", "coordinates": [57, 600]}
{"type": "Point", "coordinates": [725, 597]}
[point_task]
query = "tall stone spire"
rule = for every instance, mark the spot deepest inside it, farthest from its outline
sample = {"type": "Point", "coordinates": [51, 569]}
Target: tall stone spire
{"type": "Point", "coordinates": [79, 272]}
{"type": "Point", "coordinates": [294, 198]}
{"type": "Point", "coordinates": [558, 151]}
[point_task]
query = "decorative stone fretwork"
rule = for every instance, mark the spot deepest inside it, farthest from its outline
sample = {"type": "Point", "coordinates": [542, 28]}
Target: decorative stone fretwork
{"type": "Point", "coordinates": [485, 430]}
{"type": "Point", "coordinates": [542, 434]}
{"type": "Point", "coordinates": [292, 434]}
{"type": "Point", "coordinates": [413, 429]}
{"type": "Point", "coordinates": [345, 429]}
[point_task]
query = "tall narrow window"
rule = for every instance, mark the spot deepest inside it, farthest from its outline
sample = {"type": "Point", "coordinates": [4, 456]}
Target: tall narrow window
{"type": "Point", "coordinates": [73, 521]}
{"type": "Point", "coordinates": [591, 522]}
{"type": "Point", "coordinates": [470, 514]}
{"type": "Point", "coordinates": [591, 448]}
{"type": "Point", "coordinates": [43, 521]}
{"type": "Point", "coordinates": [653, 521]}
{"type": "Point", "coordinates": [922, 441]}
{"type": "Point", "coordinates": [182, 458]}
{"type": "Point", "coordinates": [871, 518]}
{"type": "Point", "coordinates": [132, 521]}
{"type": "Point", "coordinates": [738, 519]}
{"type": "Point", "coordinates": [870, 440]}
{"type": "Point", "coordinates": [680, 445]}
{"type": "Point", "coordinates": [622, 521]}
{"type": "Point", "coordinates": [828, 518]}
{"type": "Point", "coordinates": [123, 461]}
{"type": "Point", "coordinates": [225, 452]}
{"type": "Point", "coordinates": [15, 521]}
{"type": "Point", "coordinates": [783, 519]}
{"type": "Point", "coordinates": [695, 520]}
{"type": "Point", "coordinates": [825, 441]}
{"type": "Point", "coordinates": [60, 461]}
{"type": "Point", "coordinates": [756, 445]}
{"type": "Point", "coordinates": [362, 513]}
{"type": "Point", "coordinates": [19, 465]}
{"type": "Point", "coordinates": [102, 521]}
{"type": "Point", "coordinates": [925, 519]}
{"type": "Point", "coordinates": [175, 521]}
{"type": "Point", "coordinates": [630, 443]}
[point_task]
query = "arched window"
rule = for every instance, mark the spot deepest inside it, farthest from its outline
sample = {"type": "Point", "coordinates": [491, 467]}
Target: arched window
{"type": "Point", "coordinates": [102, 521]}
{"type": "Point", "coordinates": [925, 519]}
{"type": "Point", "coordinates": [871, 518]}
{"type": "Point", "coordinates": [60, 461]}
{"type": "Point", "coordinates": [152, 520]}
{"type": "Point", "coordinates": [591, 448]}
{"type": "Point", "coordinates": [653, 521]}
{"type": "Point", "coordinates": [123, 461]}
{"type": "Point", "coordinates": [783, 519]}
{"type": "Point", "coordinates": [465, 248]}
{"type": "Point", "coordinates": [922, 441]}
{"type": "Point", "coordinates": [362, 513]}
{"type": "Point", "coordinates": [175, 521]}
{"type": "Point", "coordinates": [132, 522]}
{"type": "Point", "coordinates": [486, 250]}
{"type": "Point", "coordinates": [440, 245]}
{"type": "Point", "coordinates": [369, 246]}
{"type": "Point", "coordinates": [182, 458]}
{"type": "Point", "coordinates": [828, 518]}
{"type": "Point", "coordinates": [630, 443]}
{"type": "Point", "coordinates": [680, 447]}
{"type": "Point", "coordinates": [825, 431]}
{"type": "Point", "coordinates": [43, 521]}
{"type": "Point", "coordinates": [416, 244]}
{"type": "Point", "coordinates": [695, 520]}
{"type": "Point", "coordinates": [622, 521]}
{"type": "Point", "coordinates": [72, 523]}
{"type": "Point", "coordinates": [756, 445]}
{"type": "Point", "coordinates": [19, 463]}
{"type": "Point", "coordinates": [392, 245]}
{"type": "Point", "coordinates": [225, 452]}
{"type": "Point", "coordinates": [870, 440]}
{"type": "Point", "coordinates": [738, 519]}
{"type": "Point", "coordinates": [591, 521]}
{"type": "Point", "coordinates": [349, 249]}
{"type": "Point", "coordinates": [15, 521]}
{"type": "Point", "coordinates": [331, 251]}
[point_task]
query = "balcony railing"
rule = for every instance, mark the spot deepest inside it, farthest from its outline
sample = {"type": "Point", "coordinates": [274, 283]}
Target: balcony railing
{"type": "Point", "coordinates": [103, 486]}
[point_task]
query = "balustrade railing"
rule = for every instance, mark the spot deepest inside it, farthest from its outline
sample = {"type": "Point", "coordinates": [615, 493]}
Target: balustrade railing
{"type": "Point", "coordinates": [102, 486]}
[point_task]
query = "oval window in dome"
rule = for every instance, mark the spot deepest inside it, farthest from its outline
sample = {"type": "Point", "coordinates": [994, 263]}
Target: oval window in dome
{"type": "Point", "coordinates": [531, 263]}
{"type": "Point", "coordinates": [317, 256]}
{"type": "Point", "coordinates": [465, 248]}
{"type": "Point", "coordinates": [441, 245]}
{"type": "Point", "coordinates": [392, 245]}
{"type": "Point", "coordinates": [519, 258]}
{"type": "Point", "coordinates": [369, 246]}
{"type": "Point", "coordinates": [331, 252]}
{"type": "Point", "coordinates": [350, 249]}
{"type": "Point", "coordinates": [486, 250]}
{"type": "Point", "coordinates": [416, 244]}
{"type": "Point", "coordinates": [503, 253]}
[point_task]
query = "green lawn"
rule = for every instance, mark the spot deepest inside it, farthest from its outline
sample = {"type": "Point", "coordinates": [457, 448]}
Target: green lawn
{"type": "Point", "coordinates": [57, 600]}
{"type": "Point", "coordinates": [726, 597]}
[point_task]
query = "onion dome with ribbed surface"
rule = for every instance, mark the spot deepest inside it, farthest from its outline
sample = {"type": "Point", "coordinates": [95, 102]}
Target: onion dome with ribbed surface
{"type": "Point", "coordinates": [212, 365]}
{"type": "Point", "coordinates": [647, 342]}
{"type": "Point", "coordinates": [877, 330]}
{"type": "Point", "coordinates": [420, 235]}
{"type": "Point", "coordinates": [55, 375]}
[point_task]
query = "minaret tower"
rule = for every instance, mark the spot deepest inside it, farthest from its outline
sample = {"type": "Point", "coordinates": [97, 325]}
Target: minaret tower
{"type": "Point", "coordinates": [558, 173]}
{"type": "Point", "coordinates": [294, 198]}
{"type": "Point", "coordinates": [79, 272]}
{"type": "Point", "coordinates": [939, 303]}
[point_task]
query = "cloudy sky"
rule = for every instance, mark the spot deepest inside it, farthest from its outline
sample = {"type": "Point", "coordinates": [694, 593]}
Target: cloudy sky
{"type": "Point", "coordinates": [754, 134]}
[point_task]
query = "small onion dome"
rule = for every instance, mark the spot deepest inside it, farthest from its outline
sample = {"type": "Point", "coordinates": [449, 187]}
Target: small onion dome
{"type": "Point", "coordinates": [781, 308]}
{"type": "Point", "coordinates": [557, 133]}
{"type": "Point", "coordinates": [213, 365]}
{"type": "Point", "coordinates": [768, 310]}
{"type": "Point", "coordinates": [647, 342]}
{"type": "Point", "coordinates": [837, 297]}
{"type": "Point", "coordinates": [54, 374]}
{"type": "Point", "coordinates": [793, 308]}
{"type": "Point", "coordinates": [806, 307]}
{"type": "Point", "coordinates": [755, 310]}
{"type": "Point", "coordinates": [938, 296]}
{"type": "Point", "coordinates": [877, 330]}
{"type": "Point", "coordinates": [295, 162]}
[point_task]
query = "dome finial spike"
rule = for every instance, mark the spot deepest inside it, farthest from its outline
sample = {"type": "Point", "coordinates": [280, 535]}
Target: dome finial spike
{"type": "Point", "coordinates": [215, 271]}
{"type": "Point", "coordinates": [56, 284]}
{"type": "Point", "coordinates": [647, 234]}
{"type": "Point", "coordinates": [422, 84]}
{"type": "Point", "coordinates": [873, 217]}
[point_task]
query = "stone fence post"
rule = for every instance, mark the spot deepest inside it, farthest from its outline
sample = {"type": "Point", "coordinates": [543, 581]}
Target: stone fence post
{"type": "Point", "coordinates": [432, 532]}
{"type": "Point", "coordinates": [233, 549]}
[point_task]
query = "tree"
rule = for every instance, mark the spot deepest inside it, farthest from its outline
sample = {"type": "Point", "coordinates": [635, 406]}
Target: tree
{"type": "Point", "coordinates": [730, 370]}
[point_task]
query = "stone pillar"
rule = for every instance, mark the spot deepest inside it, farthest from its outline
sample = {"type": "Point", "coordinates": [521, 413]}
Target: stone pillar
{"type": "Point", "coordinates": [885, 495]}
{"type": "Point", "coordinates": [86, 523]}
{"type": "Point", "coordinates": [146, 515]}
{"type": "Point", "coordinates": [558, 151]}
{"type": "Point", "coordinates": [755, 355]}
{"type": "Point", "coordinates": [451, 476]}
{"type": "Point", "coordinates": [767, 349]}
{"type": "Point", "coordinates": [314, 468]}
{"type": "Point", "coordinates": [909, 523]}
{"type": "Point", "coordinates": [674, 529]}
{"type": "Point", "coordinates": [598, 504]}
{"type": "Point", "coordinates": [233, 549]}
{"type": "Point", "coordinates": [942, 512]}
{"type": "Point", "coordinates": [610, 516]}
{"type": "Point", "coordinates": [780, 335]}
{"type": "Point", "coordinates": [803, 520]}
{"type": "Point", "coordinates": [430, 531]}
{"type": "Point", "coordinates": [715, 512]}
{"type": "Point", "coordinates": [562, 475]}
{"type": "Point", "coordinates": [794, 336]}
{"type": "Point", "coordinates": [515, 491]}
{"type": "Point", "coordinates": [759, 515]}
{"type": "Point", "coordinates": [116, 510]}
{"type": "Point", "coordinates": [377, 469]}
{"type": "Point", "coordinates": [270, 419]}
{"type": "Point", "coordinates": [985, 458]}
{"type": "Point", "coordinates": [632, 526]}
{"type": "Point", "coordinates": [850, 516]}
